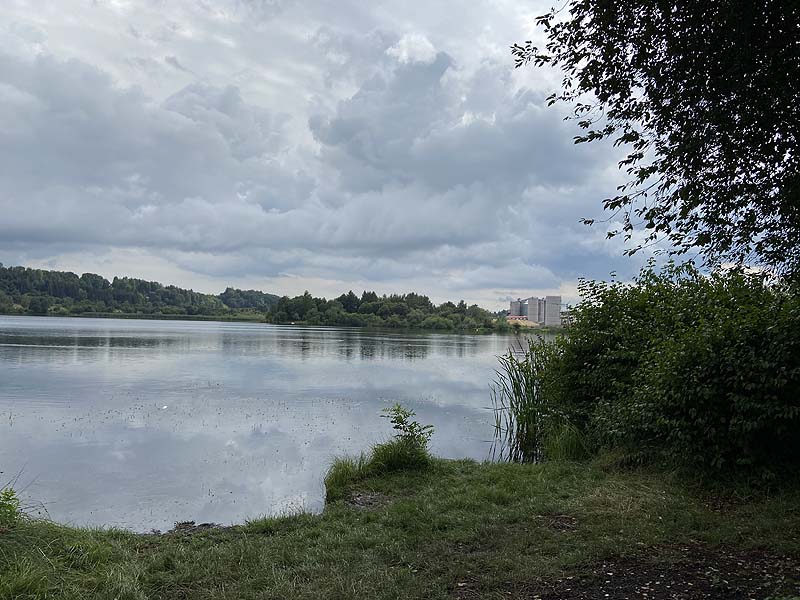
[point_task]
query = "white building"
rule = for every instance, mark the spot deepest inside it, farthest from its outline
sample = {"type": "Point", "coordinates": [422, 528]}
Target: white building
{"type": "Point", "coordinates": [544, 311]}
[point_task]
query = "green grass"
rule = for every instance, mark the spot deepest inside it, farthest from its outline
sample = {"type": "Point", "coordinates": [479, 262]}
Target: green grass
{"type": "Point", "coordinates": [456, 521]}
{"type": "Point", "coordinates": [399, 454]}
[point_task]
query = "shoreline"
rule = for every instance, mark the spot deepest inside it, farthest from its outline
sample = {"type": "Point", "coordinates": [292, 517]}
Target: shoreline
{"type": "Point", "coordinates": [457, 530]}
{"type": "Point", "coordinates": [222, 319]}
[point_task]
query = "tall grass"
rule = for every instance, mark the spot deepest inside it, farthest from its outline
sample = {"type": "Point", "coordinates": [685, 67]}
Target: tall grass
{"type": "Point", "coordinates": [394, 455]}
{"type": "Point", "coordinates": [407, 451]}
{"type": "Point", "coordinates": [529, 424]}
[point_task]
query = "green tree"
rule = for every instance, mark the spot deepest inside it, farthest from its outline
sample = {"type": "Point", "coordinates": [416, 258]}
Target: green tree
{"type": "Point", "coordinates": [349, 301]}
{"type": "Point", "coordinates": [5, 302]}
{"type": "Point", "coordinates": [38, 305]}
{"type": "Point", "coordinates": [705, 97]}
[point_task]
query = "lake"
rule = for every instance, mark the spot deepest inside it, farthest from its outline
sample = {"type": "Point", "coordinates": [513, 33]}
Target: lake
{"type": "Point", "coordinates": [140, 424]}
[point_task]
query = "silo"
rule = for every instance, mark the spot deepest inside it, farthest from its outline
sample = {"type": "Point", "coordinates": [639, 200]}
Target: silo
{"type": "Point", "coordinates": [533, 310]}
{"type": "Point", "coordinates": [552, 313]}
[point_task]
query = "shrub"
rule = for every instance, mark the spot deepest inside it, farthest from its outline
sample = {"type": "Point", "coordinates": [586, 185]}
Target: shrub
{"type": "Point", "coordinates": [692, 368]}
{"type": "Point", "coordinates": [407, 428]}
{"type": "Point", "coordinates": [725, 391]}
{"type": "Point", "coordinates": [679, 367]}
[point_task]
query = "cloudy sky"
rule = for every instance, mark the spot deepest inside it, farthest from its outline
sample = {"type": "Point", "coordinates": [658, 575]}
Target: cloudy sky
{"type": "Point", "coordinates": [287, 145]}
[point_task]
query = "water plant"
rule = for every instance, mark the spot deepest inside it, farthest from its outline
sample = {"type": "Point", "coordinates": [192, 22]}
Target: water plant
{"type": "Point", "coordinates": [530, 423]}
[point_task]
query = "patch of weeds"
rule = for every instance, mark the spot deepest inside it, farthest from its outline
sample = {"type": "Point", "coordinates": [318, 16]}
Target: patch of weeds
{"type": "Point", "coordinates": [280, 524]}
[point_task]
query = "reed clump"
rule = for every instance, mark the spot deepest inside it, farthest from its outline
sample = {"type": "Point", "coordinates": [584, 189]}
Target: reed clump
{"type": "Point", "coordinates": [530, 423]}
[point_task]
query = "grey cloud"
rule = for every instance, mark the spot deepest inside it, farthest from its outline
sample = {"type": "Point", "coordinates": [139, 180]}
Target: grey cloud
{"type": "Point", "coordinates": [429, 122]}
{"type": "Point", "coordinates": [249, 131]}
{"type": "Point", "coordinates": [175, 63]}
{"type": "Point", "coordinates": [358, 150]}
{"type": "Point", "coordinates": [83, 149]}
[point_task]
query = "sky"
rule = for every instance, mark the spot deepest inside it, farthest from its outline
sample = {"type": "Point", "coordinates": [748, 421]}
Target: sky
{"type": "Point", "coordinates": [292, 145]}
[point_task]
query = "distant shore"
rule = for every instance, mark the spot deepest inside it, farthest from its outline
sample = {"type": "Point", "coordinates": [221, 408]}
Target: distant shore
{"type": "Point", "coordinates": [151, 317]}
{"type": "Point", "coordinates": [253, 318]}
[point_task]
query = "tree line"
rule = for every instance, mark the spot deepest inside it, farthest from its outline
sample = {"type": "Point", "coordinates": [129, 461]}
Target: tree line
{"type": "Point", "coordinates": [39, 292]}
{"type": "Point", "coordinates": [43, 292]}
{"type": "Point", "coordinates": [395, 310]}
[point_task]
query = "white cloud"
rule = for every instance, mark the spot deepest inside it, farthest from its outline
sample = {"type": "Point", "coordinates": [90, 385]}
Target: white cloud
{"type": "Point", "coordinates": [413, 47]}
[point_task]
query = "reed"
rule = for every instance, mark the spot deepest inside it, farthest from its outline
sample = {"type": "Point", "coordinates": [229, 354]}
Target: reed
{"type": "Point", "coordinates": [530, 426]}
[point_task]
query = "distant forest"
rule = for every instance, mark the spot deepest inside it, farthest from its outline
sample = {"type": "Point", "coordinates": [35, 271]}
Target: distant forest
{"type": "Point", "coordinates": [39, 292]}
{"type": "Point", "coordinates": [60, 293]}
{"type": "Point", "coordinates": [397, 310]}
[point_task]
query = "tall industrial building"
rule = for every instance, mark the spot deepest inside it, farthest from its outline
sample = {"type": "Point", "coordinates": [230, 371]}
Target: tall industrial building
{"type": "Point", "coordinates": [544, 311]}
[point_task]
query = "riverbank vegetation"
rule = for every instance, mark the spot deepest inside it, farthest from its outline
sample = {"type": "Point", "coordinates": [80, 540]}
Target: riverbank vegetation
{"type": "Point", "coordinates": [408, 451]}
{"type": "Point", "coordinates": [678, 368]}
{"type": "Point", "coordinates": [400, 523]}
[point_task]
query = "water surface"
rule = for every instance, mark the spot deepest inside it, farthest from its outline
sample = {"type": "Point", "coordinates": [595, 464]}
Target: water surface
{"type": "Point", "coordinates": [139, 424]}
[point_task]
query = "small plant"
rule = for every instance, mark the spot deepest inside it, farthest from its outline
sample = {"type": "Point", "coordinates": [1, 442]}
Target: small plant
{"type": "Point", "coordinates": [10, 507]}
{"type": "Point", "coordinates": [408, 429]}
{"type": "Point", "coordinates": [409, 448]}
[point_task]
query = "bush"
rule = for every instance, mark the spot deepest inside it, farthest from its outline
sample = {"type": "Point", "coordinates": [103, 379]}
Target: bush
{"type": "Point", "coordinates": [680, 367]}
{"type": "Point", "coordinates": [408, 450]}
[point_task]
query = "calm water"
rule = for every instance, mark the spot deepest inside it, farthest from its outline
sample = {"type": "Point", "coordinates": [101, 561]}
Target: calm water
{"type": "Point", "coordinates": [143, 423]}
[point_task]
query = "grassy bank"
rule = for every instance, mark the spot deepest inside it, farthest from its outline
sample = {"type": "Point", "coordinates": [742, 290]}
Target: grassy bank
{"type": "Point", "coordinates": [457, 529]}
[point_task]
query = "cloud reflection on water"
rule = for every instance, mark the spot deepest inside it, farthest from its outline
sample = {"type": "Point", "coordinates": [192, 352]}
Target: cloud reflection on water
{"type": "Point", "coordinates": [140, 424]}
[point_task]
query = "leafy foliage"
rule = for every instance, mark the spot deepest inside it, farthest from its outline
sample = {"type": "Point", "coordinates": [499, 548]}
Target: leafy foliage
{"type": "Point", "coordinates": [681, 367]}
{"type": "Point", "coordinates": [253, 299]}
{"type": "Point", "coordinates": [396, 311]}
{"type": "Point", "coordinates": [39, 292]}
{"type": "Point", "coordinates": [406, 427]}
{"type": "Point", "coordinates": [704, 97]}
{"type": "Point", "coordinates": [697, 369]}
